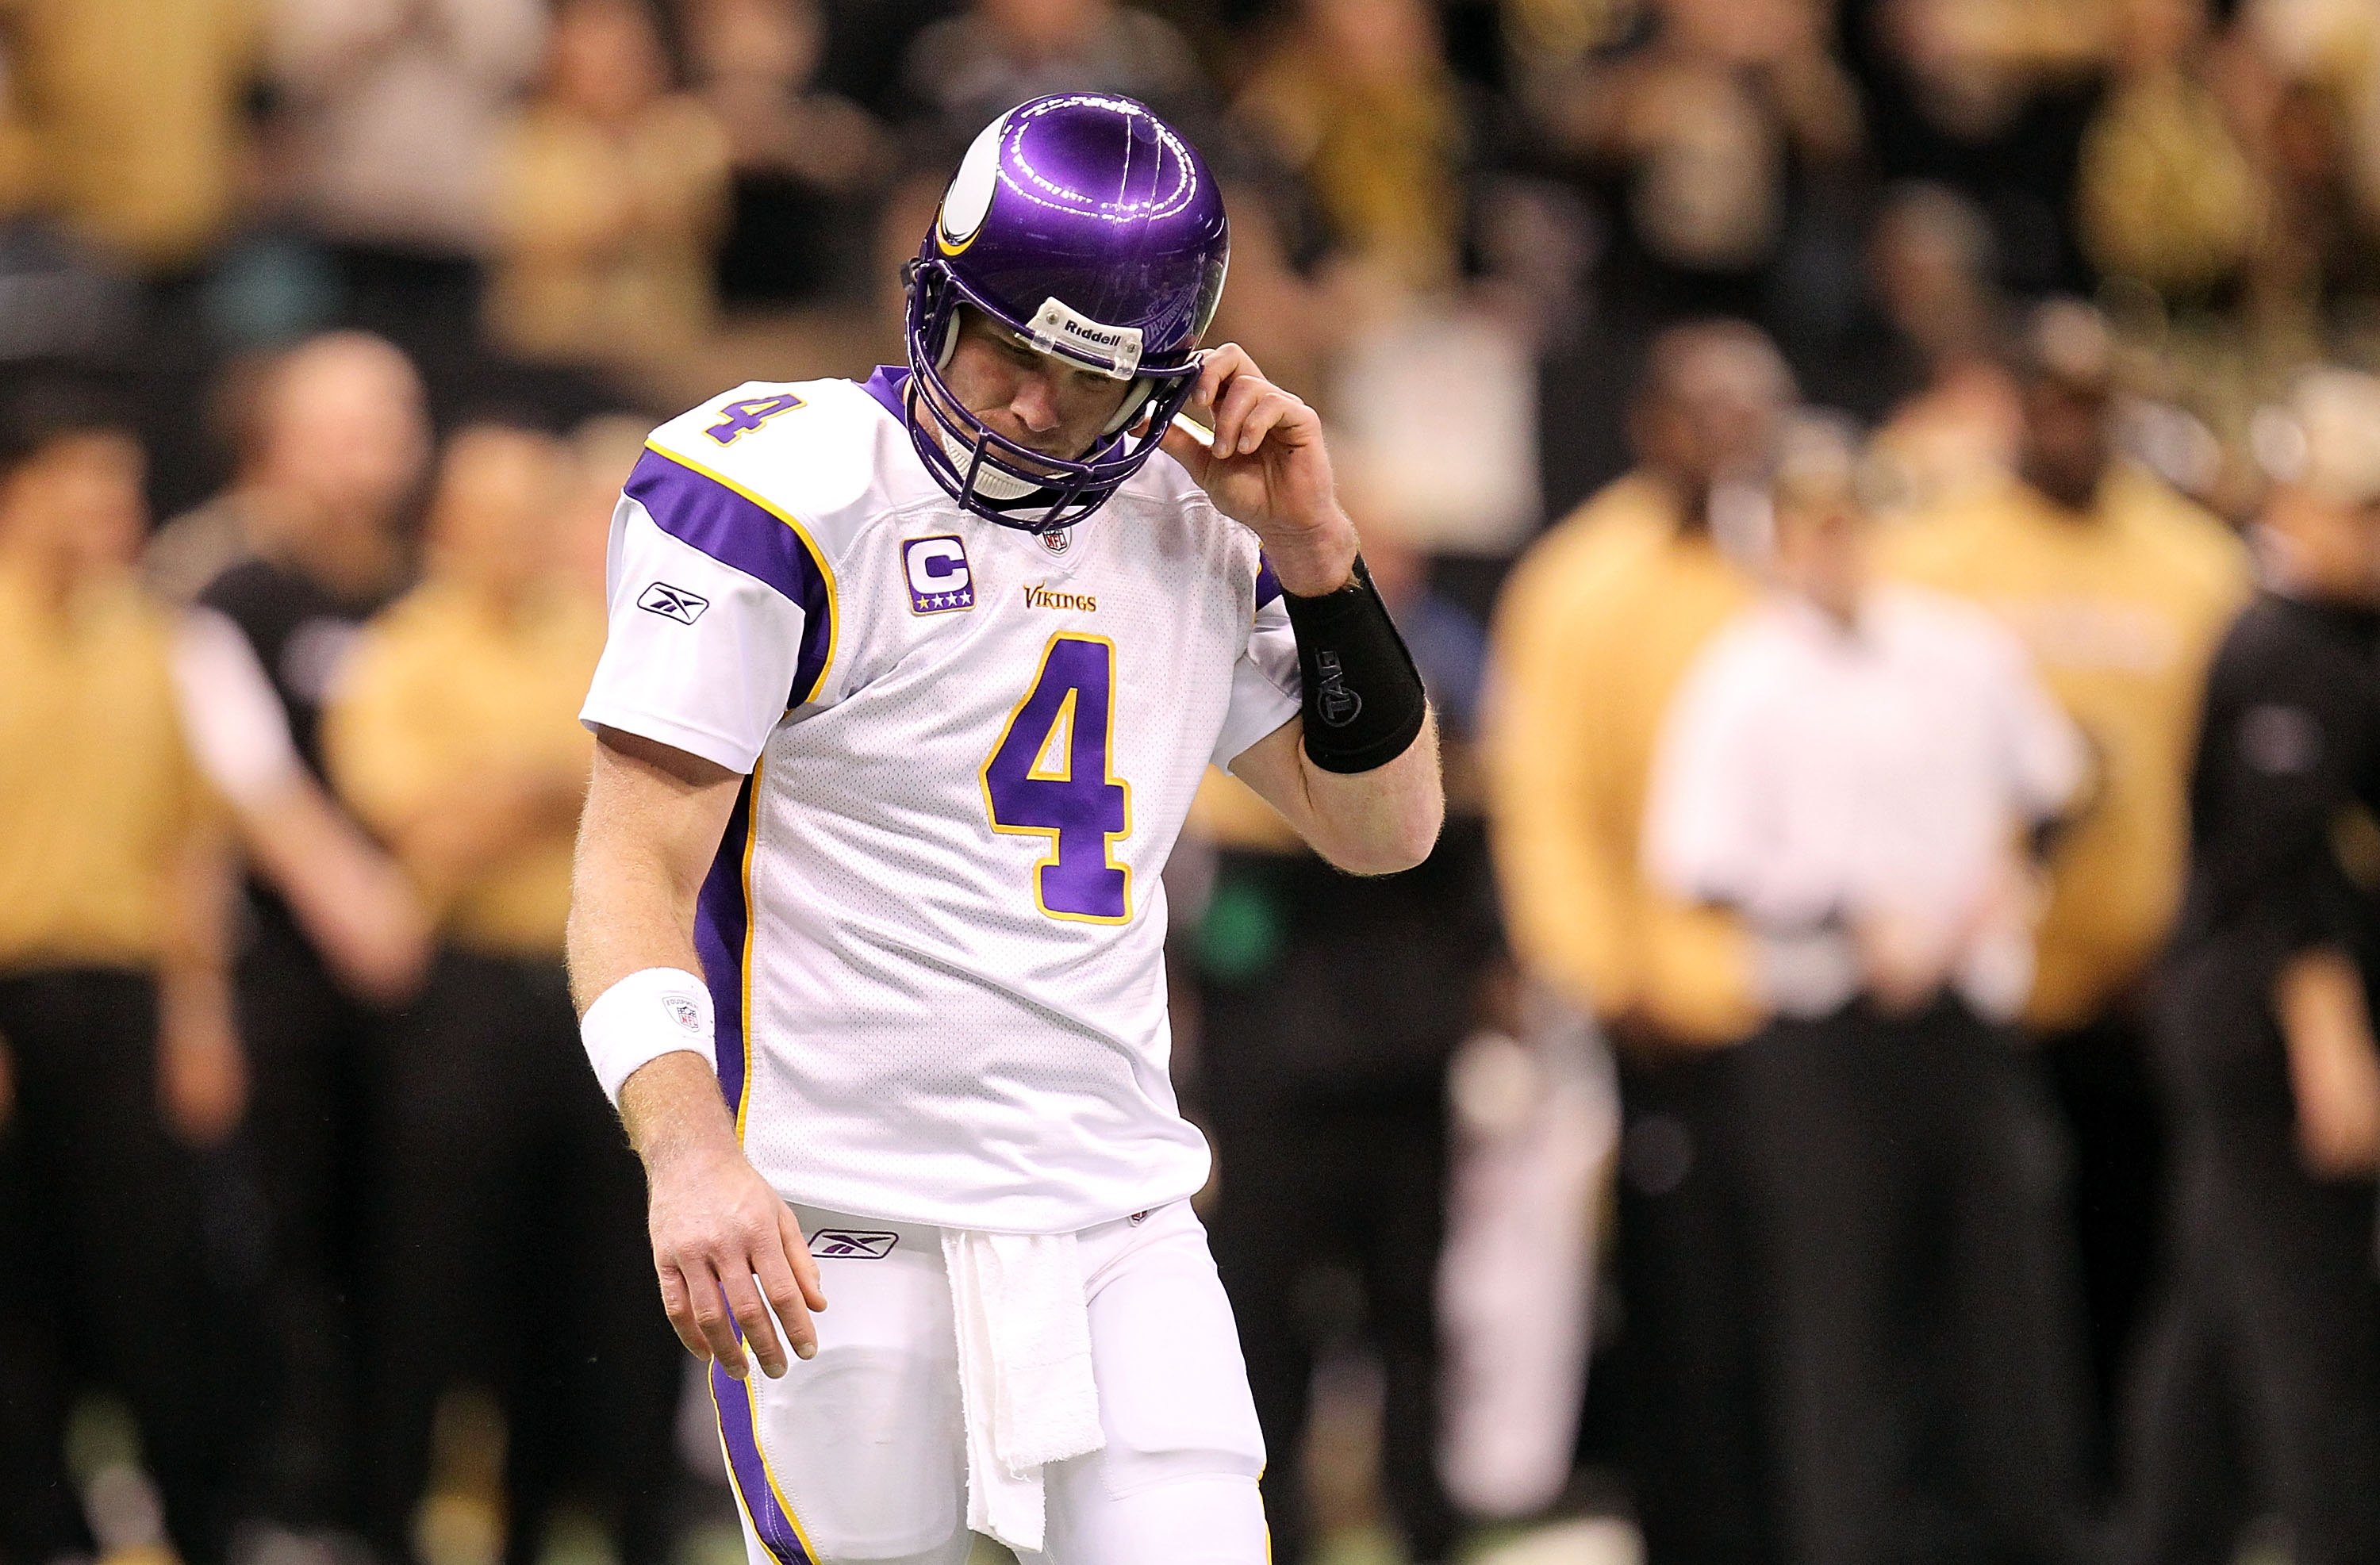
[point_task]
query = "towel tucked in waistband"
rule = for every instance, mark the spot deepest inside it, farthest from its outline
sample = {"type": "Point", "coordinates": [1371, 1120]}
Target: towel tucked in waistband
{"type": "Point", "coordinates": [1025, 1372]}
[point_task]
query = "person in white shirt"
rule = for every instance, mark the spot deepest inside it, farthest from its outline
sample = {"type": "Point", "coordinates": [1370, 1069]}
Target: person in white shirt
{"type": "Point", "coordinates": [907, 689]}
{"type": "Point", "coordinates": [1854, 769]}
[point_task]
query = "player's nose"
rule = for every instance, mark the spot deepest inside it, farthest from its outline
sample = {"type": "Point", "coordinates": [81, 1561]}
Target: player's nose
{"type": "Point", "coordinates": [1035, 403]}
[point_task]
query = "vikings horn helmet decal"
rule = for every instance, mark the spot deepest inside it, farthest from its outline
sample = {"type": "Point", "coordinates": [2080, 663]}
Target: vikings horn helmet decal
{"type": "Point", "coordinates": [1088, 226]}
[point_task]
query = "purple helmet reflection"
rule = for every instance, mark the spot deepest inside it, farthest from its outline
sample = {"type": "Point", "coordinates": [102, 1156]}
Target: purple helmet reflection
{"type": "Point", "coordinates": [1088, 226]}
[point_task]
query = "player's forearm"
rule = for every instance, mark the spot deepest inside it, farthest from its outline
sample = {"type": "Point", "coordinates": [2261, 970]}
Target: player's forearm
{"type": "Point", "coordinates": [627, 914]}
{"type": "Point", "coordinates": [652, 820]}
{"type": "Point", "coordinates": [1380, 821]}
{"type": "Point", "coordinates": [671, 1106]}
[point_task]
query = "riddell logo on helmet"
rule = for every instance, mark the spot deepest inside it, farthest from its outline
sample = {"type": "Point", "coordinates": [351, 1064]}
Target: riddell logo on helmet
{"type": "Point", "coordinates": [1059, 327]}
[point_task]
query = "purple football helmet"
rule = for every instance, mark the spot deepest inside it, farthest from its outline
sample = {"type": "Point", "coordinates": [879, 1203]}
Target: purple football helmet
{"type": "Point", "coordinates": [1089, 227]}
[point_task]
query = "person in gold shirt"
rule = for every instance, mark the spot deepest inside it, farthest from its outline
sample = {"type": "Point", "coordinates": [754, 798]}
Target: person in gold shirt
{"type": "Point", "coordinates": [132, 120]}
{"type": "Point", "coordinates": [2122, 590]}
{"type": "Point", "coordinates": [614, 196]}
{"type": "Point", "coordinates": [1598, 625]}
{"type": "Point", "coordinates": [117, 1051]}
{"type": "Point", "coordinates": [505, 1248]}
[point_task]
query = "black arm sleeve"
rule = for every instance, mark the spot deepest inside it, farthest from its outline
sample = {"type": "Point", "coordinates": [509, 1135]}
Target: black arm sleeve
{"type": "Point", "coordinates": [1364, 702]}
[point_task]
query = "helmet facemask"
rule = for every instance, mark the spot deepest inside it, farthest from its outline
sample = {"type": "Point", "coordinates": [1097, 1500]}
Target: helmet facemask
{"type": "Point", "coordinates": [999, 479]}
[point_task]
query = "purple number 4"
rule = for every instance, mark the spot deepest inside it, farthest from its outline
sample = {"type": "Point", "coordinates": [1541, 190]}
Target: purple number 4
{"type": "Point", "coordinates": [745, 417]}
{"type": "Point", "coordinates": [1052, 774]}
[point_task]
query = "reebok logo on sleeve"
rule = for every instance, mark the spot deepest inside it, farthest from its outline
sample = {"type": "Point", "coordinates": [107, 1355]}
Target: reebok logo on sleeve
{"type": "Point", "coordinates": [673, 603]}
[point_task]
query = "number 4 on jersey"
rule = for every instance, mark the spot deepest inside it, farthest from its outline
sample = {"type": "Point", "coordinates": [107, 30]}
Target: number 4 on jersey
{"type": "Point", "coordinates": [1052, 774]}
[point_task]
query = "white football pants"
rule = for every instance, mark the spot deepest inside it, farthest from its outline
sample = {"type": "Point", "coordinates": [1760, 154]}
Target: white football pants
{"type": "Point", "coordinates": [860, 1455]}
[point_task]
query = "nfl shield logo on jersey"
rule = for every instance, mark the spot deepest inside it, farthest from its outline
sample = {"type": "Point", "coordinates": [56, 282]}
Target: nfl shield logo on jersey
{"type": "Point", "coordinates": [938, 575]}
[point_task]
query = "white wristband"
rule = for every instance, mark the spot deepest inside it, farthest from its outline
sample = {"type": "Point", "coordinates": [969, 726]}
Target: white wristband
{"type": "Point", "coordinates": [642, 1017]}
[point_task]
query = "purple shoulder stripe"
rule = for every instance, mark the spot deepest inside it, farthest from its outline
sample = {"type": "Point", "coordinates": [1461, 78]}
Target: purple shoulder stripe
{"type": "Point", "coordinates": [698, 510]}
{"type": "Point", "coordinates": [889, 386]}
{"type": "Point", "coordinates": [1268, 584]}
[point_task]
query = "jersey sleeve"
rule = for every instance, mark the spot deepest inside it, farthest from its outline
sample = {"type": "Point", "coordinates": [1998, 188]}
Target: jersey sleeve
{"type": "Point", "coordinates": [722, 615]}
{"type": "Point", "coordinates": [1265, 687]}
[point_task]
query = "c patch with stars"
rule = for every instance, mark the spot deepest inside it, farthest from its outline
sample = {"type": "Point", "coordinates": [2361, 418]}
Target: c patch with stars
{"type": "Point", "coordinates": [936, 571]}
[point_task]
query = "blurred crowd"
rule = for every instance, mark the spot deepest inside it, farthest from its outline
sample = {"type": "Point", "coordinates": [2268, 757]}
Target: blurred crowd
{"type": "Point", "coordinates": [1884, 494]}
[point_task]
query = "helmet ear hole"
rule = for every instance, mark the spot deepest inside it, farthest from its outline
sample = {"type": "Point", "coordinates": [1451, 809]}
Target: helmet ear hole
{"type": "Point", "coordinates": [1136, 399]}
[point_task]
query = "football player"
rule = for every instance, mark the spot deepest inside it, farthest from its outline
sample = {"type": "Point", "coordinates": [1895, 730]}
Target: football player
{"type": "Point", "coordinates": [907, 689]}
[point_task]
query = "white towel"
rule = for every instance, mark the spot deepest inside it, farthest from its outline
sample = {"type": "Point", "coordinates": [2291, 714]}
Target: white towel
{"type": "Point", "coordinates": [1025, 1372]}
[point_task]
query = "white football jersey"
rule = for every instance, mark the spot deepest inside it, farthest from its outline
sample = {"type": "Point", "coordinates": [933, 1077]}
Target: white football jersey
{"type": "Point", "coordinates": [935, 929]}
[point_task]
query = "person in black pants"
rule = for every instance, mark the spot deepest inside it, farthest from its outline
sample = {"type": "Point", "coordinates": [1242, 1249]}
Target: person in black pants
{"type": "Point", "coordinates": [2261, 1390]}
{"type": "Point", "coordinates": [1846, 768]}
{"type": "Point", "coordinates": [507, 1256]}
{"type": "Point", "coordinates": [1327, 1101]}
{"type": "Point", "coordinates": [1329, 1007]}
{"type": "Point", "coordinates": [117, 1055]}
{"type": "Point", "coordinates": [506, 1250]}
{"type": "Point", "coordinates": [340, 441]}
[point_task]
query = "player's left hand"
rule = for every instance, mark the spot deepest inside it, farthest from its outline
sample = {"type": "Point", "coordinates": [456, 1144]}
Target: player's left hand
{"type": "Point", "coordinates": [1268, 469]}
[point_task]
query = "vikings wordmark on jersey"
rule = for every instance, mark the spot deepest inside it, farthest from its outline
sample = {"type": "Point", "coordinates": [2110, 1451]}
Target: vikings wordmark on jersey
{"type": "Point", "coordinates": [934, 929]}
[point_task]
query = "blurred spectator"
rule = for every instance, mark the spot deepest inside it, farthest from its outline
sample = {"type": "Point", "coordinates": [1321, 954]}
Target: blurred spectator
{"type": "Point", "coordinates": [117, 1052]}
{"type": "Point", "coordinates": [613, 191]}
{"type": "Point", "coordinates": [504, 1193]}
{"type": "Point", "coordinates": [391, 117]}
{"type": "Point", "coordinates": [1355, 97]}
{"type": "Point", "coordinates": [1270, 308]}
{"type": "Point", "coordinates": [964, 69]}
{"type": "Point", "coordinates": [313, 523]}
{"type": "Point", "coordinates": [806, 163]}
{"type": "Point", "coordinates": [132, 120]}
{"type": "Point", "coordinates": [2313, 100]}
{"type": "Point", "coordinates": [602, 451]}
{"type": "Point", "coordinates": [18, 148]}
{"type": "Point", "coordinates": [1716, 140]}
{"type": "Point", "coordinates": [2120, 587]}
{"type": "Point", "coordinates": [331, 430]}
{"type": "Point", "coordinates": [2166, 195]}
{"type": "Point", "coordinates": [1930, 256]}
{"type": "Point", "coordinates": [331, 426]}
{"type": "Point", "coordinates": [1328, 1099]}
{"type": "Point", "coordinates": [1849, 768]}
{"type": "Point", "coordinates": [2262, 1387]}
{"type": "Point", "coordinates": [1989, 97]}
{"type": "Point", "coordinates": [1598, 623]}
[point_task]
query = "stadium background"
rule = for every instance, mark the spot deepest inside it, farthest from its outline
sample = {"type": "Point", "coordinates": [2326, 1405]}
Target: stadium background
{"type": "Point", "coordinates": [1457, 227]}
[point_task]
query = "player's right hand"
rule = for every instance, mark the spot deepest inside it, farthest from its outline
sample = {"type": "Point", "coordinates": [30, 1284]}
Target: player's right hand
{"type": "Point", "coordinates": [724, 1243]}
